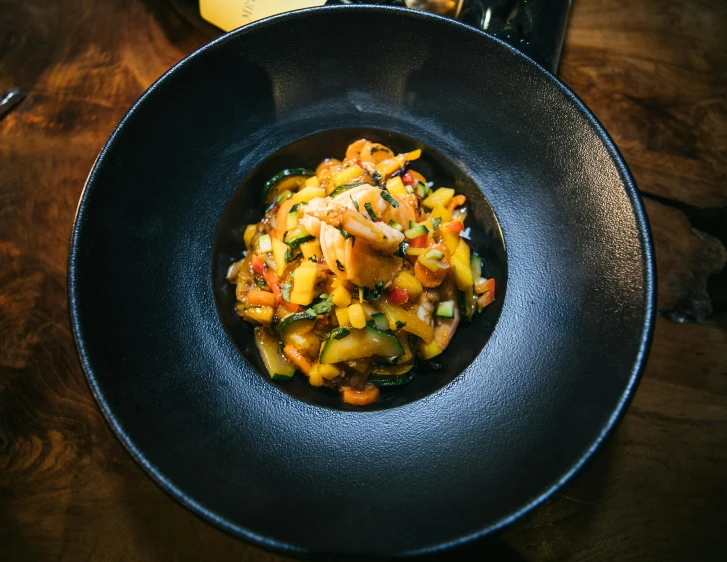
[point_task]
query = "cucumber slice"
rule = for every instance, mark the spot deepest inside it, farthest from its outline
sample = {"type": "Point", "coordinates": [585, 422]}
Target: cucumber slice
{"type": "Point", "coordinates": [298, 236]}
{"type": "Point", "coordinates": [290, 179]}
{"type": "Point", "coordinates": [275, 362]}
{"type": "Point", "coordinates": [359, 343]}
{"type": "Point", "coordinates": [434, 255]}
{"type": "Point", "coordinates": [445, 309]}
{"type": "Point", "coordinates": [265, 244]}
{"type": "Point", "coordinates": [396, 226]}
{"type": "Point", "coordinates": [415, 230]}
{"type": "Point", "coordinates": [296, 323]}
{"type": "Point", "coordinates": [343, 188]}
{"type": "Point", "coordinates": [381, 322]}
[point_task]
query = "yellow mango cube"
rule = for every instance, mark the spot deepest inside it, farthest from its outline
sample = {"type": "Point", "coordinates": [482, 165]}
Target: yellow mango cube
{"type": "Point", "coordinates": [450, 239]}
{"type": "Point", "coordinates": [407, 281]}
{"type": "Point", "coordinates": [441, 196]}
{"type": "Point", "coordinates": [441, 212]}
{"type": "Point", "coordinates": [312, 181]}
{"type": "Point", "coordinates": [462, 274]}
{"type": "Point", "coordinates": [280, 252]}
{"type": "Point", "coordinates": [341, 297]}
{"type": "Point", "coordinates": [308, 193]}
{"type": "Point", "coordinates": [429, 350]}
{"type": "Point", "coordinates": [395, 186]}
{"type": "Point", "coordinates": [462, 252]}
{"type": "Point", "coordinates": [311, 249]}
{"type": "Point", "coordinates": [250, 231]}
{"type": "Point", "coordinates": [342, 316]}
{"type": "Point", "coordinates": [304, 284]}
{"type": "Point", "coordinates": [356, 315]}
{"type": "Point", "coordinates": [347, 175]}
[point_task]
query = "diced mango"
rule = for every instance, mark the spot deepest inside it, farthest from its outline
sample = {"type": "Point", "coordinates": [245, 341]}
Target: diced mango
{"type": "Point", "coordinates": [327, 371]}
{"type": "Point", "coordinates": [395, 186]}
{"type": "Point", "coordinates": [304, 284]}
{"type": "Point", "coordinates": [315, 378]}
{"type": "Point", "coordinates": [429, 350]}
{"type": "Point", "coordinates": [312, 181]}
{"type": "Point", "coordinates": [347, 175]}
{"type": "Point", "coordinates": [250, 231]}
{"type": "Point", "coordinates": [462, 252]}
{"type": "Point", "coordinates": [413, 155]}
{"type": "Point", "coordinates": [342, 316]}
{"type": "Point", "coordinates": [311, 249]}
{"type": "Point", "coordinates": [260, 314]}
{"type": "Point", "coordinates": [280, 252]}
{"type": "Point", "coordinates": [441, 212]}
{"type": "Point", "coordinates": [441, 196]}
{"type": "Point", "coordinates": [462, 274]}
{"type": "Point", "coordinates": [449, 238]}
{"type": "Point", "coordinates": [308, 193]}
{"type": "Point", "coordinates": [356, 315]}
{"type": "Point", "coordinates": [407, 281]}
{"type": "Point", "coordinates": [391, 165]}
{"type": "Point", "coordinates": [341, 297]}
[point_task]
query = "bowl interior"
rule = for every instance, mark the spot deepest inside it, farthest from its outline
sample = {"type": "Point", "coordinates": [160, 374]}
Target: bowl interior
{"type": "Point", "coordinates": [246, 207]}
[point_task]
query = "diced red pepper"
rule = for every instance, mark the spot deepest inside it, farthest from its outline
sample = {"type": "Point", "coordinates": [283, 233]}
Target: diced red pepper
{"type": "Point", "coordinates": [408, 179]}
{"type": "Point", "coordinates": [398, 296]}
{"type": "Point", "coordinates": [419, 241]}
{"type": "Point", "coordinates": [455, 227]}
{"type": "Point", "coordinates": [257, 264]}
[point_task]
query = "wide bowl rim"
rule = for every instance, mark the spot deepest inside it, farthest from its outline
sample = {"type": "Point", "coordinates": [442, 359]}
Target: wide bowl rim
{"type": "Point", "coordinates": [268, 542]}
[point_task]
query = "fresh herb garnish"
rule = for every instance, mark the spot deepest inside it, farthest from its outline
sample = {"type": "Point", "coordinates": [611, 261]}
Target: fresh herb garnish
{"type": "Point", "coordinates": [373, 294]}
{"type": "Point", "coordinates": [401, 252]}
{"type": "Point", "coordinates": [345, 234]}
{"type": "Point", "coordinates": [260, 282]}
{"type": "Point", "coordinates": [389, 199]}
{"type": "Point", "coordinates": [377, 177]}
{"type": "Point", "coordinates": [400, 324]}
{"type": "Point", "coordinates": [285, 289]}
{"type": "Point", "coordinates": [322, 307]}
{"type": "Point", "coordinates": [355, 204]}
{"type": "Point", "coordinates": [370, 211]}
{"type": "Point", "coordinates": [437, 222]}
{"type": "Point", "coordinates": [294, 208]}
{"type": "Point", "coordinates": [341, 333]}
{"type": "Point", "coordinates": [313, 259]}
{"type": "Point", "coordinates": [375, 149]}
{"type": "Point", "coordinates": [339, 265]}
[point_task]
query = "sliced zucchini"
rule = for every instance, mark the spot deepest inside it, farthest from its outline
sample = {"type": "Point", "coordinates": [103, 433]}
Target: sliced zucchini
{"type": "Point", "coordinates": [359, 343]}
{"type": "Point", "coordinates": [298, 236]}
{"type": "Point", "coordinates": [264, 243]}
{"type": "Point", "coordinates": [395, 225]}
{"type": "Point", "coordinates": [381, 322]}
{"type": "Point", "coordinates": [296, 323]}
{"type": "Point", "coordinates": [445, 309]}
{"type": "Point", "coordinates": [290, 179]}
{"type": "Point", "coordinates": [277, 365]}
{"type": "Point", "coordinates": [343, 188]}
{"type": "Point", "coordinates": [392, 376]}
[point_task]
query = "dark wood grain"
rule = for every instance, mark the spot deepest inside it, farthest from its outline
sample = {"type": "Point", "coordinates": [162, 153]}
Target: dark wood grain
{"type": "Point", "coordinates": [653, 71]}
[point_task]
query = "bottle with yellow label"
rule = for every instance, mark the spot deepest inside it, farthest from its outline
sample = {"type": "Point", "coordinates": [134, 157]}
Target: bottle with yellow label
{"type": "Point", "coordinates": [535, 27]}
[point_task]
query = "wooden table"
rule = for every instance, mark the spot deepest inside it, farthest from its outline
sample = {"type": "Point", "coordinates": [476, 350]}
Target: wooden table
{"type": "Point", "coordinates": [653, 71]}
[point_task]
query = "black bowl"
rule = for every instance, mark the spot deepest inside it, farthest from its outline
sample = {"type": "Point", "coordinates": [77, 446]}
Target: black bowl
{"type": "Point", "coordinates": [525, 394]}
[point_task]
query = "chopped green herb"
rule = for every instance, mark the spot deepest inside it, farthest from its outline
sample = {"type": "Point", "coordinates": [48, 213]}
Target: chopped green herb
{"type": "Point", "coordinates": [389, 199]}
{"type": "Point", "coordinates": [375, 149]}
{"type": "Point", "coordinates": [401, 252]}
{"type": "Point", "coordinates": [323, 306]}
{"type": "Point", "coordinates": [370, 211]}
{"type": "Point", "coordinates": [345, 234]}
{"type": "Point", "coordinates": [313, 259]}
{"type": "Point", "coordinates": [260, 282]}
{"type": "Point", "coordinates": [437, 222]}
{"type": "Point", "coordinates": [294, 208]}
{"type": "Point", "coordinates": [400, 324]}
{"type": "Point", "coordinates": [373, 294]}
{"type": "Point", "coordinates": [355, 204]}
{"type": "Point", "coordinates": [342, 333]}
{"type": "Point", "coordinates": [339, 265]}
{"type": "Point", "coordinates": [377, 177]}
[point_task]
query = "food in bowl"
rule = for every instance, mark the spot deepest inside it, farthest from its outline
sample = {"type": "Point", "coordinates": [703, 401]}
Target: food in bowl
{"type": "Point", "coordinates": [356, 270]}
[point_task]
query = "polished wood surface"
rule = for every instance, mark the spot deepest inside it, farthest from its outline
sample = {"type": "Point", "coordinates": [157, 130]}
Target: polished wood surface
{"type": "Point", "coordinates": [653, 71]}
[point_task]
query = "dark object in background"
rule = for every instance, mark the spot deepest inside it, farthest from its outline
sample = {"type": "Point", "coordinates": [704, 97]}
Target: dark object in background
{"type": "Point", "coordinates": [535, 27]}
{"type": "Point", "coordinates": [505, 433]}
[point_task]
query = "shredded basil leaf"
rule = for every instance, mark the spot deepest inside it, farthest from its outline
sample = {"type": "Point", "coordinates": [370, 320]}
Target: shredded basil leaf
{"type": "Point", "coordinates": [260, 282]}
{"type": "Point", "coordinates": [322, 307]}
{"type": "Point", "coordinates": [294, 208]}
{"type": "Point", "coordinates": [437, 222]}
{"type": "Point", "coordinates": [345, 234]}
{"type": "Point", "coordinates": [313, 259]}
{"type": "Point", "coordinates": [400, 324]}
{"type": "Point", "coordinates": [355, 204]}
{"type": "Point", "coordinates": [389, 199]}
{"type": "Point", "coordinates": [377, 177]}
{"type": "Point", "coordinates": [370, 211]}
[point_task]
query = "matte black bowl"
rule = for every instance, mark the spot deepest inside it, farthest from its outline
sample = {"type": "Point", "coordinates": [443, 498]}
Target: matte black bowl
{"type": "Point", "coordinates": [525, 394]}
